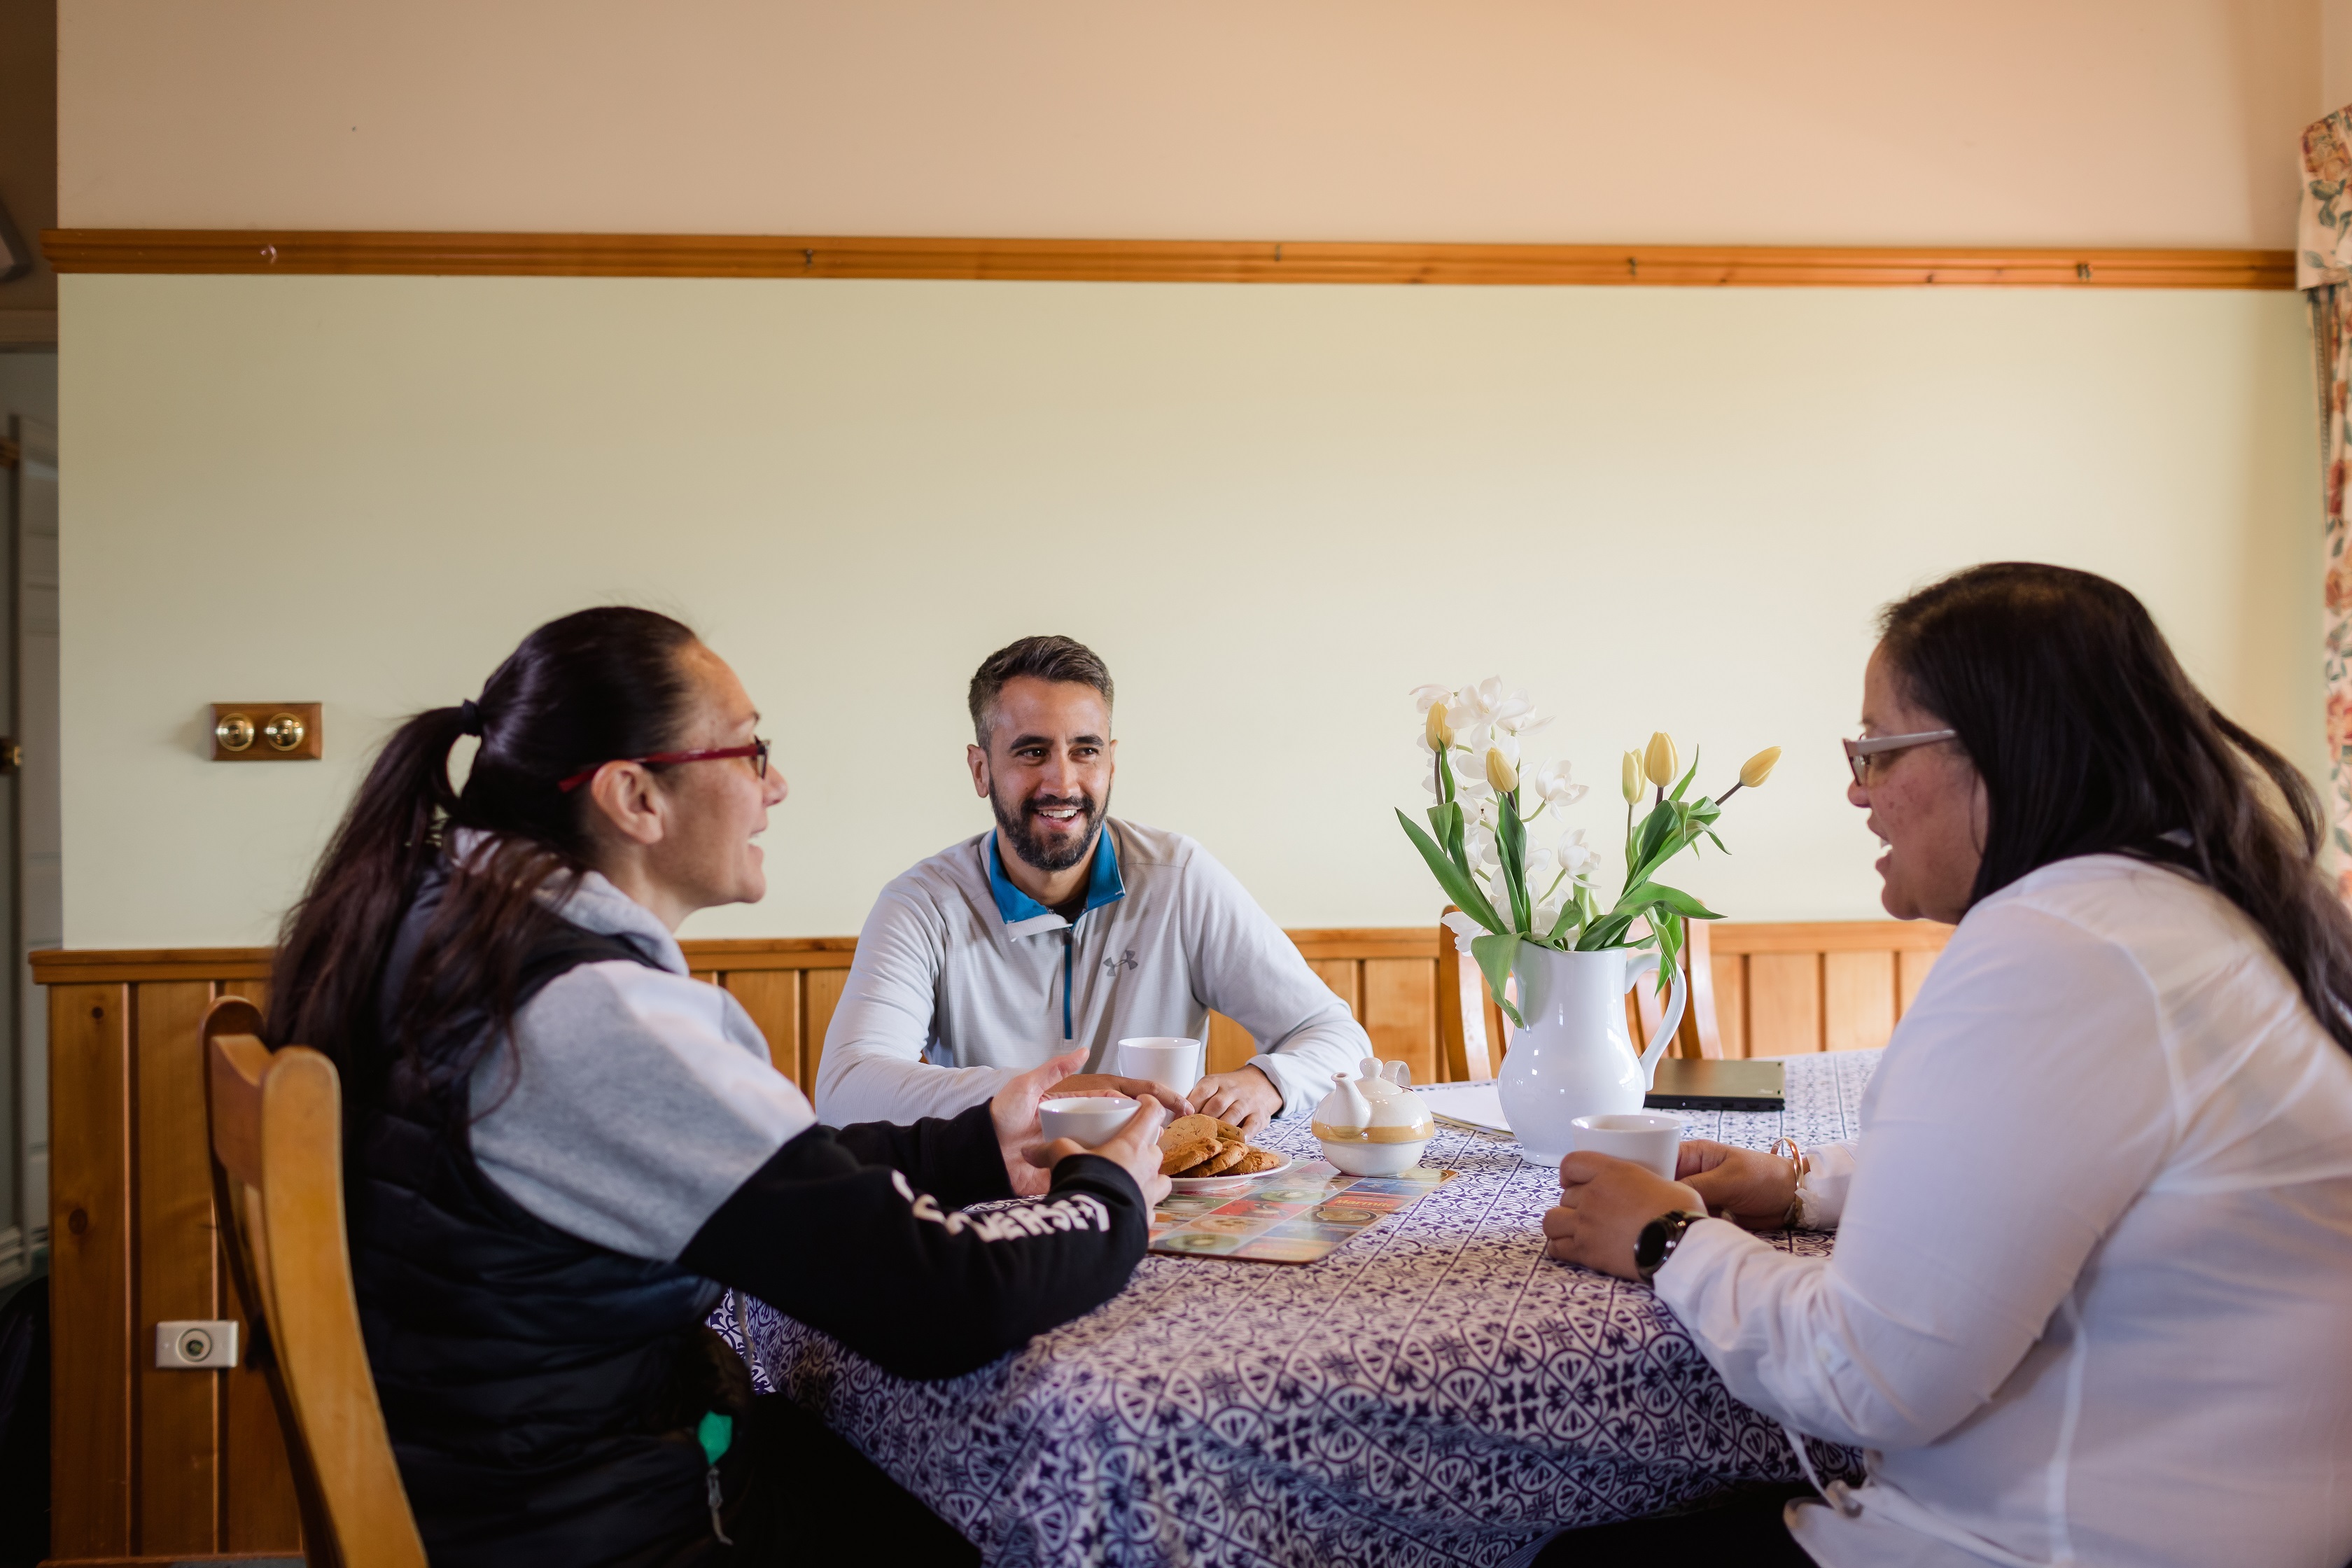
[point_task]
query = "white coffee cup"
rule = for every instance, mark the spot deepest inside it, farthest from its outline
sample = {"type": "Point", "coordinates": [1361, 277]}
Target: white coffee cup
{"type": "Point", "coordinates": [1645, 1137]}
{"type": "Point", "coordinates": [1173, 1063]}
{"type": "Point", "coordinates": [1089, 1119]}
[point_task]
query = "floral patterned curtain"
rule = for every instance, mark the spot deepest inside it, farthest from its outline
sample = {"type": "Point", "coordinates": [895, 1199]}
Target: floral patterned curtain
{"type": "Point", "coordinates": [2324, 271]}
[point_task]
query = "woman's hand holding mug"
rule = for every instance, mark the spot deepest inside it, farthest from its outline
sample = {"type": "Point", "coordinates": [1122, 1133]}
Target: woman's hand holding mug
{"type": "Point", "coordinates": [1135, 1147]}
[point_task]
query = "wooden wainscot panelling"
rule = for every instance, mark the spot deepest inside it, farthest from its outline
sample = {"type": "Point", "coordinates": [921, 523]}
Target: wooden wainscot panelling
{"type": "Point", "coordinates": [90, 1270]}
{"type": "Point", "coordinates": [1150, 261]}
{"type": "Point", "coordinates": [1388, 978]}
{"type": "Point", "coordinates": [1835, 985]}
{"type": "Point", "coordinates": [178, 1269]}
{"type": "Point", "coordinates": [174, 1465]}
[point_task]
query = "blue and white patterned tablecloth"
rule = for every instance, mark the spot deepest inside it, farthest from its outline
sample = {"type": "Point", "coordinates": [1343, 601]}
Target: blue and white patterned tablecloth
{"type": "Point", "coordinates": [1435, 1391]}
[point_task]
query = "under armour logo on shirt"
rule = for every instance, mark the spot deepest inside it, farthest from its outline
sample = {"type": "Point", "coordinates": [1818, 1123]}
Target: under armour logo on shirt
{"type": "Point", "coordinates": [1113, 965]}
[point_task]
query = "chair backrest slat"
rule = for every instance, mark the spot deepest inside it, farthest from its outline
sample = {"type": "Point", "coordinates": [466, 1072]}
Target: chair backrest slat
{"type": "Point", "coordinates": [1473, 1035]}
{"type": "Point", "coordinates": [238, 1064]}
{"type": "Point", "coordinates": [277, 1134]}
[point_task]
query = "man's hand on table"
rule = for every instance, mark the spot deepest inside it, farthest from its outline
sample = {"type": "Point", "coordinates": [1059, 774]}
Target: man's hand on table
{"type": "Point", "coordinates": [1603, 1205]}
{"type": "Point", "coordinates": [1135, 1147]}
{"type": "Point", "coordinates": [1244, 1097]}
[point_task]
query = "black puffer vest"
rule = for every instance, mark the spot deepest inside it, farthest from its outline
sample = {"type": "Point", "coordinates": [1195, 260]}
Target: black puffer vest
{"type": "Point", "coordinates": [542, 1392]}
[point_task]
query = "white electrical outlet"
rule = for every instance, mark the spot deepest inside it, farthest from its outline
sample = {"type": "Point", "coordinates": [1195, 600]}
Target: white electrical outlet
{"type": "Point", "coordinates": [201, 1344]}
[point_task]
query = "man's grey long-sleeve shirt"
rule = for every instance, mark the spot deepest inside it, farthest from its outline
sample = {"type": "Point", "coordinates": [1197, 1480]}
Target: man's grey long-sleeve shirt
{"type": "Point", "coordinates": [948, 997]}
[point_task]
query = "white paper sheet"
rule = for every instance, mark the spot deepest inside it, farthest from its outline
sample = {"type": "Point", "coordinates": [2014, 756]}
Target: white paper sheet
{"type": "Point", "coordinates": [1473, 1104]}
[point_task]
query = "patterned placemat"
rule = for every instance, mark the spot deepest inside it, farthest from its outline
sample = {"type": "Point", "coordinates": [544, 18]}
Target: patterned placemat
{"type": "Point", "coordinates": [1303, 1214]}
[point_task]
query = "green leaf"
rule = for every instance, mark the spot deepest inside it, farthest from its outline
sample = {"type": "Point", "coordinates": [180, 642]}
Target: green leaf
{"type": "Point", "coordinates": [1609, 930]}
{"type": "Point", "coordinates": [1668, 929]}
{"type": "Point", "coordinates": [1446, 820]}
{"type": "Point", "coordinates": [1457, 884]}
{"type": "Point", "coordinates": [1569, 915]}
{"type": "Point", "coordinates": [1684, 783]}
{"type": "Point", "coordinates": [1511, 843]}
{"type": "Point", "coordinates": [1674, 899]}
{"type": "Point", "coordinates": [1494, 954]}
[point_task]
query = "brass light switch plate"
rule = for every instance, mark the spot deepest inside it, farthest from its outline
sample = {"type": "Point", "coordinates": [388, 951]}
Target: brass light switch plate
{"type": "Point", "coordinates": [268, 732]}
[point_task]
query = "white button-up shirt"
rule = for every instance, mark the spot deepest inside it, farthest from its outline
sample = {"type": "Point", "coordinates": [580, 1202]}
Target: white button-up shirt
{"type": "Point", "coordinates": [2092, 1298]}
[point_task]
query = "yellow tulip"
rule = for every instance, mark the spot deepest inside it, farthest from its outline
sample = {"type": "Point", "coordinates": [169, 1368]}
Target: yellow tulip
{"type": "Point", "coordinates": [1440, 734]}
{"type": "Point", "coordinates": [1759, 768]}
{"type": "Point", "coordinates": [1659, 762]}
{"type": "Point", "coordinates": [1499, 771]}
{"type": "Point", "coordinates": [1632, 783]}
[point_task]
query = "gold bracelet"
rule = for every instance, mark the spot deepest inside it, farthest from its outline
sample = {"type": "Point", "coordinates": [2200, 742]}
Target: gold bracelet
{"type": "Point", "coordinates": [1802, 1165]}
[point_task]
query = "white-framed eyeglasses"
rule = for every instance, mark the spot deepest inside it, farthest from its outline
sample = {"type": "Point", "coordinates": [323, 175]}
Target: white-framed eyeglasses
{"type": "Point", "coordinates": [1859, 752]}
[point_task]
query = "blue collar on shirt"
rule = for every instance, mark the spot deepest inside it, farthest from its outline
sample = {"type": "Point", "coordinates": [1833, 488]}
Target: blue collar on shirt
{"type": "Point", "coordinates": [1103, 883]}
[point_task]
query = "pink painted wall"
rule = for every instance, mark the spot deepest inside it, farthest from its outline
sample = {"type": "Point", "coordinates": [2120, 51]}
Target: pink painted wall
{"type": "Point", "coordinates": [1829, 121]}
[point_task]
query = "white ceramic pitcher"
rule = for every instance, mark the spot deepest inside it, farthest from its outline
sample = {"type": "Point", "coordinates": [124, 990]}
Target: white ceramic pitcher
{"type": "Point", "coordinates": [1573, 1057]}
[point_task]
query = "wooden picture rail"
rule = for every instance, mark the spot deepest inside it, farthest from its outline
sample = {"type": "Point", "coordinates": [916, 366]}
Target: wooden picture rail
{"type": "Point", "coordinates": [159, 1466]}
{"type": "Point", "coordinates": [353, 252]}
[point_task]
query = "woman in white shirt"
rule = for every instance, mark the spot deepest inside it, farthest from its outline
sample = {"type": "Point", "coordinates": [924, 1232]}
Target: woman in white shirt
{"type": "Point", "coordinates": [2094, 1272]}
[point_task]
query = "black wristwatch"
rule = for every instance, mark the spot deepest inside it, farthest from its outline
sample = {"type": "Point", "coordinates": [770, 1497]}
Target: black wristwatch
{"type": "Point", "coordinates": [1658, 1240]}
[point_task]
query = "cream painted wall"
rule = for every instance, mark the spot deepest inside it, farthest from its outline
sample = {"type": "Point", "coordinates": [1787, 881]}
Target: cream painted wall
{"type": "Point", "coordinates": [1710, 121]}
{"type": "Point", "coordinates": [1274, 510]}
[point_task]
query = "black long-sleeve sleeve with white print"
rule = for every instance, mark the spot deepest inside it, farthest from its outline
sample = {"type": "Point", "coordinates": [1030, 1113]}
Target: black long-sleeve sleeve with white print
{"type": "Point", "coordinates": [859, 1232]}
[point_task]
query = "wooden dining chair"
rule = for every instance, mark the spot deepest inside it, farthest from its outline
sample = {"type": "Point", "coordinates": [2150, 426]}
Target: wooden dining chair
{"type": "Point", "coordinates": [278, 1172]}
{"type": "Point", "coordinates": [1473, 1033]}
{"type": "Point", "coordinates": [1699, 1034]}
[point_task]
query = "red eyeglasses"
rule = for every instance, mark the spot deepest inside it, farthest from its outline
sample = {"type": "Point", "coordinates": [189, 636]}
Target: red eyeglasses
{"type": "Point", "coordinates": [757, 751]}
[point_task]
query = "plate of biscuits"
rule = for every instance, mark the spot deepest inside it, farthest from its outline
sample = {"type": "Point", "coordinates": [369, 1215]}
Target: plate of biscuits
{"type": "Point", "coordinates": [1203, 1154]}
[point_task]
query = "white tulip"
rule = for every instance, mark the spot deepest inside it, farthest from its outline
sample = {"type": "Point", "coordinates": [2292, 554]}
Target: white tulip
{"type": "Point", "coordinates": [1552, 783]}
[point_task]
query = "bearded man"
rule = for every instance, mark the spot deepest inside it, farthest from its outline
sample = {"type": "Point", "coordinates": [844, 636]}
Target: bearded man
{"type": "Point", "coordinates": [1065, 926]}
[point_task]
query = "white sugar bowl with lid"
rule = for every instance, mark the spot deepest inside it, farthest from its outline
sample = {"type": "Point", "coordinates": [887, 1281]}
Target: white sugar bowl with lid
{"type": "Point", "coordinates": [1372, 1125]}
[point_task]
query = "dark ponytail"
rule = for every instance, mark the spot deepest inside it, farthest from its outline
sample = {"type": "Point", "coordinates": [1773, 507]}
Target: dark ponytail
{"type": "Point", "coordinates": [2091, 739]}
{"type": "Point", "coordinates": [591, 687]}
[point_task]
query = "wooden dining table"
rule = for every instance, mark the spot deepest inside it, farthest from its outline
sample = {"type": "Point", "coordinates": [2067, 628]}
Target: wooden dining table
{"type": "Point", "coordinates": [1435, 1391]}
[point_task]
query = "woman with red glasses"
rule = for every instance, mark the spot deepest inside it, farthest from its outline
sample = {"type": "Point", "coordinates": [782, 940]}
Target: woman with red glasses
{"type": "Point", "coordinates": [564, 1148]}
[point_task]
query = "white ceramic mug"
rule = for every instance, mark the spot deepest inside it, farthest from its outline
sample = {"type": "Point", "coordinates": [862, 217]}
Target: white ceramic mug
{"type": "Point", "coordinates": [1645, 1137]}
{"type": "Point", "coordinates": [1091, 1120]}
{"type": "Point", "coordinates": [1171, 1063]}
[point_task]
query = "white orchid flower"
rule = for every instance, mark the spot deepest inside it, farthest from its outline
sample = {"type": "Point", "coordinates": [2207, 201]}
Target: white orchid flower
{"type": "Point", "coordinates": [1552, 783]}
{"type": "Point", "coordinates": [1488, 706]}
{"type": "Point", "coordinates": [1470, 786]}
{"type": "Point", "coordinates": [1427, 697]}
{"type": "Point", "coordinates": [1486, 703]}
{"type": "Point", "coordinates": [1463, 927]}
{"type": "Point", "coordinates": [1478, 847]}
{"type": "Point", "coordinates": [1575, 859]}
{"type": "Point", "coordinates": [1547, 915]}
